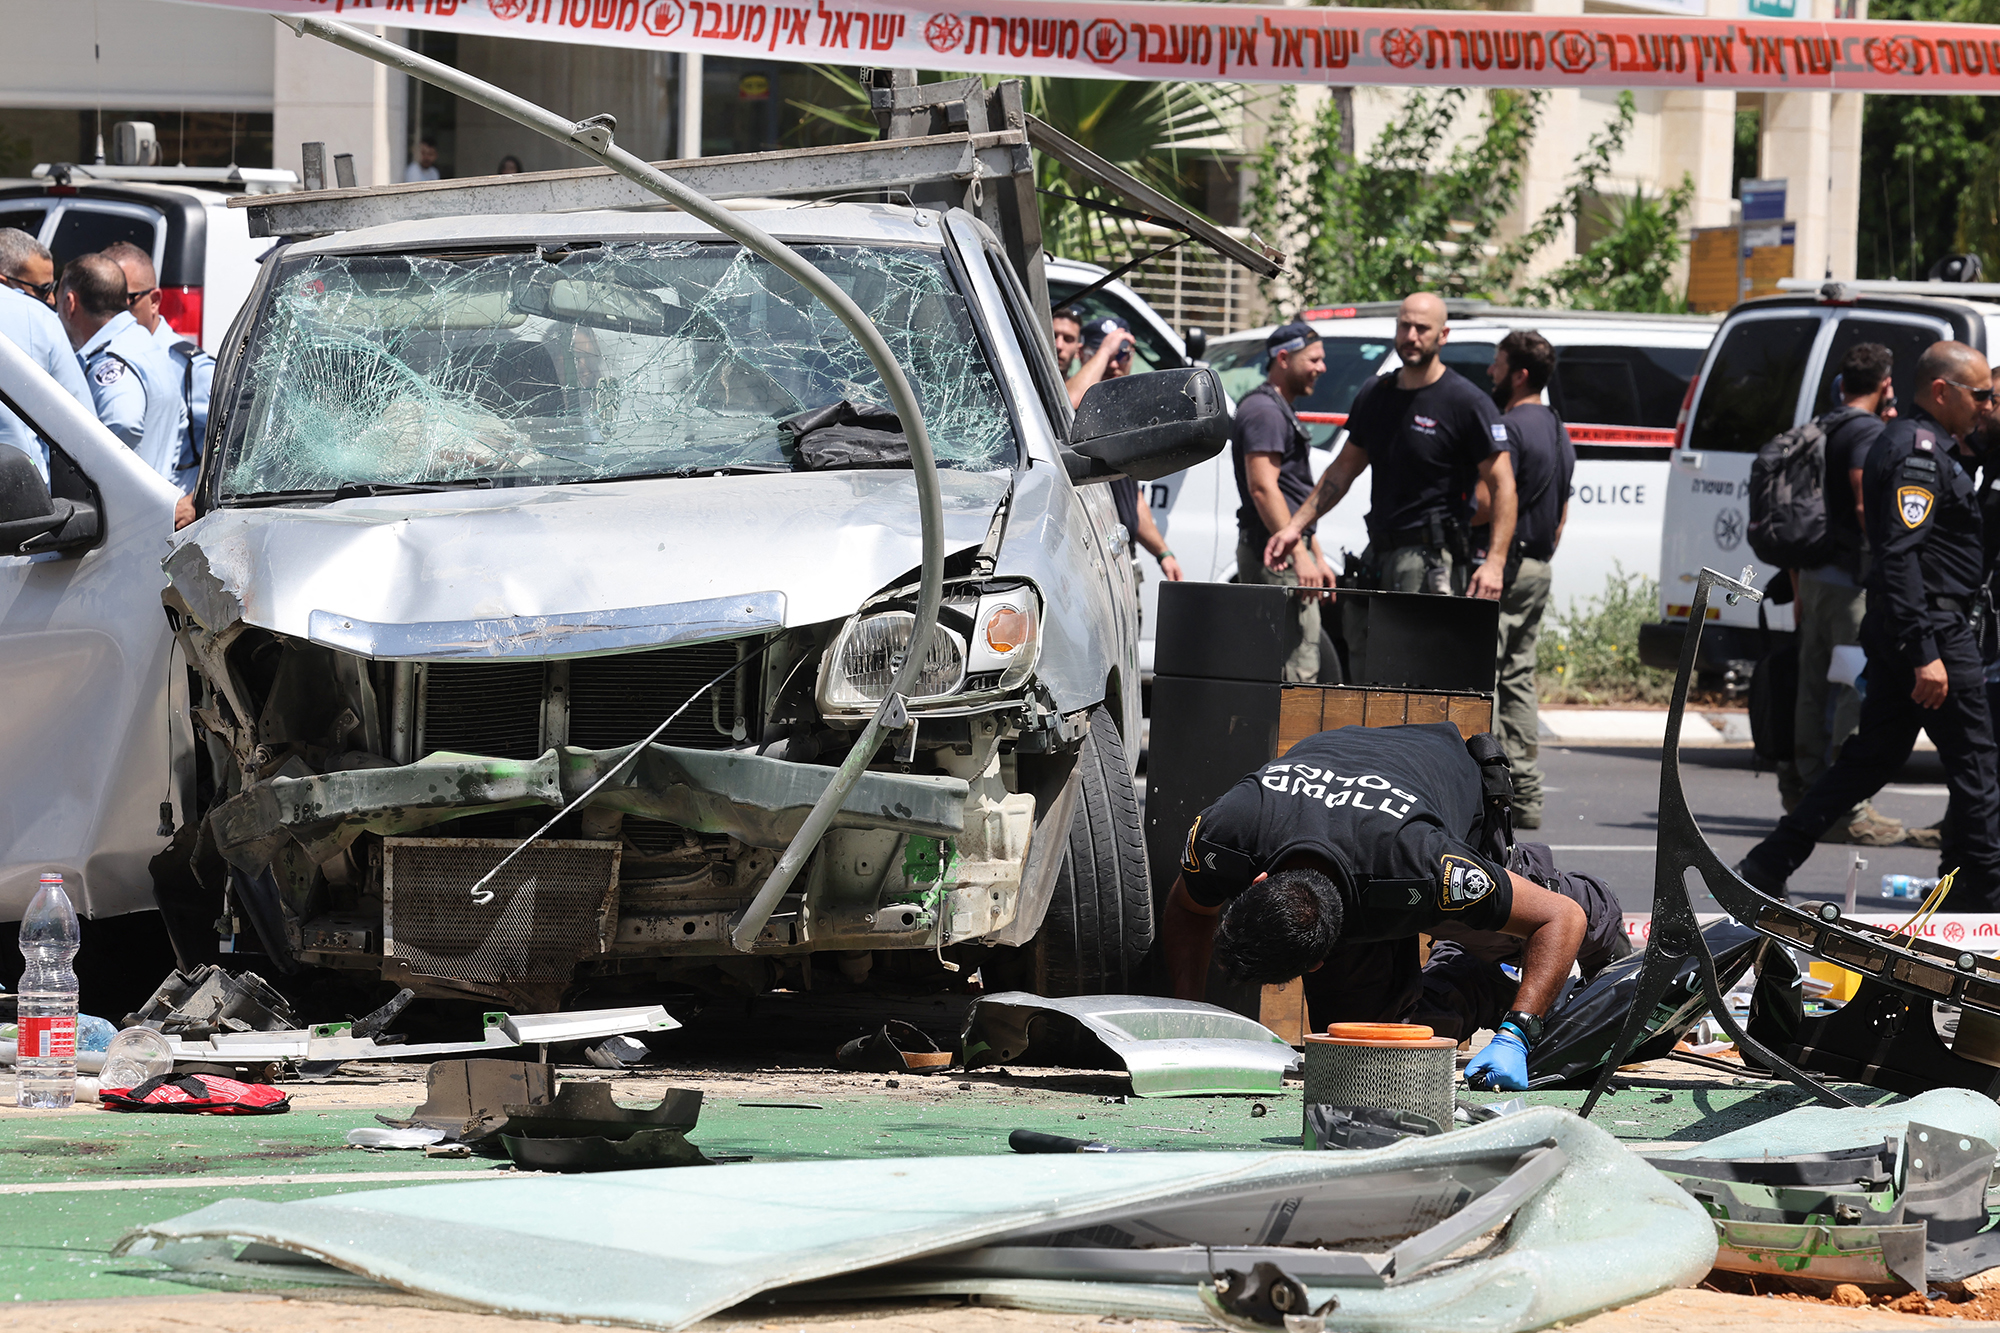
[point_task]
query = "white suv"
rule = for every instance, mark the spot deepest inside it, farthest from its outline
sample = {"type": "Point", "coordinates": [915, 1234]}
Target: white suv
{"type": "Point", "coordinates": [1619, 381]}
{"type": "Point", "coordinates": [1772, 368]}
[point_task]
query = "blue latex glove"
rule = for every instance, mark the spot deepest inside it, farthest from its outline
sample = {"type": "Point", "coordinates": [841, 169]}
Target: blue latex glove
{"type": "Point", "coordinates": [1502, 1064]}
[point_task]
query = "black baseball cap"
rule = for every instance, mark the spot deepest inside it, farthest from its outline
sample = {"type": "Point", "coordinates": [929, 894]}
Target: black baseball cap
{"type": "Point", "coordinates": [1290, 337]}
{"type": "Point", "coordinates": [1097, 330]}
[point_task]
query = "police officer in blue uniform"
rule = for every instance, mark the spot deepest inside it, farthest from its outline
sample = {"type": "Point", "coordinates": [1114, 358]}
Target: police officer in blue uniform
{"type": "Point", "coordinates": [28, 323]}
{"type": "Point", "coordinates": [130, 377]}
{"type": "Point", "coordinates": [1924, 670]}
{"type": "Point", "coordinates": [195, 367]}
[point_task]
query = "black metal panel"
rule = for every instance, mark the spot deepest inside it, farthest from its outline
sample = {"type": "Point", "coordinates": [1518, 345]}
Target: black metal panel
{"type": "Point", "coordinates": [1421, 641]}
{"type": "Point", "coordinates": [617, 700]}
{"type": "Point", "coordinates": [1220, 731]}
{"type": "Point", "coordinates": [1220, 631]}
{"type": "Point", "coordinates": [485, 708]}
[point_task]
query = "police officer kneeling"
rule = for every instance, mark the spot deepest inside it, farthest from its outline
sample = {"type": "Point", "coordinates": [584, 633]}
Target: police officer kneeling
{"type": "Point", "coordinates": [1329, 862]}
{"type": "Point", "coordinates": [1924, 669]}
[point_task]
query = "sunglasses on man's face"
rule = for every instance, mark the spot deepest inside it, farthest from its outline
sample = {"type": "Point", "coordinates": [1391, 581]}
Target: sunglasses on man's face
{"type": "Point", "coordinates": [133, 298]}
{"type": "Point", "coordinates": [1981, 396]}
{"type": "Point", "coordinates": [41, 291]}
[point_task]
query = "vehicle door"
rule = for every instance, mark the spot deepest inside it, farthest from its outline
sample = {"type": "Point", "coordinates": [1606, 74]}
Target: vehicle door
{"type": "Point", "coordinates": [1755, 385]}
{"type": "Point", "coordinates": [94, 728]}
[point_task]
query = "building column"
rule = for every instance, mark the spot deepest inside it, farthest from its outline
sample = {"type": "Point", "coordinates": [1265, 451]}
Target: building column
{"type": "Point", "coordinates": [1551, 156]}
{"type": "Point", "coordinates": [1844, 198]}
{"type": "Point", "coordinates": [1796, 148]}
{"type": "Point", "coordinates": [349, 102]}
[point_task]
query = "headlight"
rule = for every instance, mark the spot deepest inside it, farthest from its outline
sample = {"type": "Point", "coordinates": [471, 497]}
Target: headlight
{"type": "Point", "coordinates": [863, 661]}
{"type": "Point", "coordinates": [1006, 635]}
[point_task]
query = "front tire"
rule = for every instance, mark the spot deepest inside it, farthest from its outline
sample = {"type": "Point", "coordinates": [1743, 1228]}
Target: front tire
{"type": "Point", "coordinates": [1099, 926]}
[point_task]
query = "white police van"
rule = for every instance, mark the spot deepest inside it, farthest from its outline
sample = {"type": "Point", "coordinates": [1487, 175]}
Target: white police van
{"type": "Point", "coordinates": [1771, 368]}
{"type": "Point", "coordinates": [1619, 381]}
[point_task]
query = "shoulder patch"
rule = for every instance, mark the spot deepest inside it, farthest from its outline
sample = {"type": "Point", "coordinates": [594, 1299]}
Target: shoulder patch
{"type": "Point", "coordinates": [1913, 504]}
{"type": "Point", "coordinates": [1190, 861]}
{"type": "Point", "coordinates": [1499, 433]}
{"type": "Point", "coordinates": [108, 371]}
{"type": "Point", "coordinates": [1461, 883]}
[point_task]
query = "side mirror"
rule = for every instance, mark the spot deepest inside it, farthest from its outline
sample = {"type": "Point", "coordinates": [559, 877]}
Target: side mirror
{"type": "Point", "coordinates": [1148, 426]}
{"type": "Point", "coordinates": [1197, 343]}
{"type": "Point", "coordinates": [31, 521]}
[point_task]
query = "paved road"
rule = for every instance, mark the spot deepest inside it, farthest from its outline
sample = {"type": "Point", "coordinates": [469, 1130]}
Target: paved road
{"type": "Point", "coordinates": [1602, 815]}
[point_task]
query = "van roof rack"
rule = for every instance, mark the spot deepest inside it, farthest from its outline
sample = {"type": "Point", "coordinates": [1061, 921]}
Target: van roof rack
{"type": "Point", "coordinates": [954, 144]}
{"type": "Point", "coordinates": [252, 180]}
{"type": "Point", "coordinates": [1967, 291]}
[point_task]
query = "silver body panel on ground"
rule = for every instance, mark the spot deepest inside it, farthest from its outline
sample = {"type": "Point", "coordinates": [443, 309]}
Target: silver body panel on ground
{"type": "Point", "coordinates": [664, 1249]}
{"type": "Point", "coordinates": [1172, 1048]}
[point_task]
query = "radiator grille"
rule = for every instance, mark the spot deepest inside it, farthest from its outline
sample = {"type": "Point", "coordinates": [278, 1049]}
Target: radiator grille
{"type": "Point", "coordinates": [654, 837]}
{"type": "Point", "coordinates": [489, 708]}
{"type": "Point", "coordinates": [617, 700]}
{"type": "Point", "coordinates": [553, 906]}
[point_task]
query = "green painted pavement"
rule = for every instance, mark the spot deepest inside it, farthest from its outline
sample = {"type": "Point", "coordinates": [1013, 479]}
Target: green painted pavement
{"type": "Point", "coordinates": [55, 1243]}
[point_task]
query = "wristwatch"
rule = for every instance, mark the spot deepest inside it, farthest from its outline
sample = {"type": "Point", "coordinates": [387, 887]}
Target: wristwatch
{"type": "Point", "coordinates": [1529, 1025]}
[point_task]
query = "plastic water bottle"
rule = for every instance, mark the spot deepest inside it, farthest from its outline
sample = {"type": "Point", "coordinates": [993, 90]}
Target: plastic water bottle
{"type": "Point", "coordinates": [45, 1065]}
{"type": "Point", "coordinates": [1907, 886]}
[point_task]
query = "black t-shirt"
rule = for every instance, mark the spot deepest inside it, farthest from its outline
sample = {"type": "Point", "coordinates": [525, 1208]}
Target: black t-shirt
{"type": "Point", "coordinates": [1125, 495]}
{"type": "Point", "coordinates": [1266, 424]}
{"type": "Point", "coordinates": [1425, 446]}
{"type": "Point", "coordinates": [1397, 809]}
{"type": "Point", "coordinates": [1850, 434]}
{"type": "Point", "coordinates": [1544, 462]}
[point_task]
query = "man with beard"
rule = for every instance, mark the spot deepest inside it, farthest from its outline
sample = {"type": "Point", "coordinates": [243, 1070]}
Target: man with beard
{"type": "Point", "coordinates": [1431, 435]}
{"type": "Point", "coordinates": [1272, 456]}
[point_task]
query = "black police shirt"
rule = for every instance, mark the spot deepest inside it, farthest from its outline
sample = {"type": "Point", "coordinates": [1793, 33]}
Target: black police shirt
{"type": "Point", "coordinates": [1924, 534]}
{"type": "Point", "coordinates": [1266, 424]}
{"type": "Point", "coordinates": [1396, 808]}
{"type": "Point", "coordinates": [1544, 463]}
{"type": "Point", "coordinates": [1425, 447]}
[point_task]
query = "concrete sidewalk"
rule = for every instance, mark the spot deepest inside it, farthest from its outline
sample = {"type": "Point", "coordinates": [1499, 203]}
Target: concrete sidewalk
{"type": "Point", "coordinates": [1648, 726]}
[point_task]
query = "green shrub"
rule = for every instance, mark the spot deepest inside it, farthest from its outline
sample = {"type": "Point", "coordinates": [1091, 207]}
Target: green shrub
{"type": "Point", "coordinates": [1589, 652]}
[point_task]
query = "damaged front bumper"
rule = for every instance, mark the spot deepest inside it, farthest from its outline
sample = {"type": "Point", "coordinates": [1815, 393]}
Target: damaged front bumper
{"type": "Point", "coordinates": [913, 861]}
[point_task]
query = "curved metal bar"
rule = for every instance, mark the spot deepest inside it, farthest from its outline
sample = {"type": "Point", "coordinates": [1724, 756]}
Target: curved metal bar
{"type": "Point", "coordinates": [1676, 935]}
{"type": "Point", "coordinates": [593, 139]}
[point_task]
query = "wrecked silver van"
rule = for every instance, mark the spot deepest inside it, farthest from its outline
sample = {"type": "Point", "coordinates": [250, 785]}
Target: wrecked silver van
{"type": "Point", "coordinates": [586, 527]}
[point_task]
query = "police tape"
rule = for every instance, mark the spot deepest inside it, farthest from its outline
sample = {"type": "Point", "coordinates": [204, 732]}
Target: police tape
{"type": "Point", "coordinates": [1978, 931]}
{"type": "Point", "coordinates": [1241, 43]}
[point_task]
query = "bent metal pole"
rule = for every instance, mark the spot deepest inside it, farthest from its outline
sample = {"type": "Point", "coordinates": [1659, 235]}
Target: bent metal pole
{"type": "Point", "coordinates": [593, 139]}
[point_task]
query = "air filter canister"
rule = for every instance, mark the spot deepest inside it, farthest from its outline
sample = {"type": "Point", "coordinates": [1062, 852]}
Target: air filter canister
{"type": "Point", "coordinates": [1382, 1067]}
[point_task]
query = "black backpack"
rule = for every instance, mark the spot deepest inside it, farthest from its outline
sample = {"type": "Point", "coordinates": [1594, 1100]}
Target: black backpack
{"type": "Point", "coordinates": [1787, 499]}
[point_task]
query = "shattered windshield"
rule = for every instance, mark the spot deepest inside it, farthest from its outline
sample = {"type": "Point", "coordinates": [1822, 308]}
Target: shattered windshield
{"type": "Point", "coordinates": [619, 360]}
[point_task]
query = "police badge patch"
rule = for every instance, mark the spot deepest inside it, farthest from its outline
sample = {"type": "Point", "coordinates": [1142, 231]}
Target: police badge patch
{"type": "Point", "coordinates": [1914, 503]}
{"type": "Point", "coordinates": [1462, 883]}
{"type": "Point", "coordinates": [109, 371]}
{"type": "Point", "coordinates": [1190, 859]}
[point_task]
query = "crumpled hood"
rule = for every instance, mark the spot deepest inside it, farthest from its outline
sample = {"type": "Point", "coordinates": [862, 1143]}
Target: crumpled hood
{"type": "Point", "coordinates": [569, 569]}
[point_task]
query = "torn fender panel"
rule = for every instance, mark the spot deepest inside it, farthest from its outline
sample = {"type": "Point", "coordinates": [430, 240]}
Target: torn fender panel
{"type": "Point", "coordinates": [663, 1249]}
{"type": "Point", "coordinates": [566, 560]}
{"type": "Point", "coordinates": [1172, 1048]}
{"type": "Point", "coordinates": [760, 800]}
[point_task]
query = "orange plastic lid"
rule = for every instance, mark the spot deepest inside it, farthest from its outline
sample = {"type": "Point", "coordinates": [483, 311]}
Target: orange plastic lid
{"type": "Point", "coordinates": [1379, 1031]}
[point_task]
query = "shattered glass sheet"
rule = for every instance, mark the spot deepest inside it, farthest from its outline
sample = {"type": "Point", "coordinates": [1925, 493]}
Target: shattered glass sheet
{"type": "Point", "coordinates": [663, 1249]}
{"type": "Point", "coordinates": [540, 367]}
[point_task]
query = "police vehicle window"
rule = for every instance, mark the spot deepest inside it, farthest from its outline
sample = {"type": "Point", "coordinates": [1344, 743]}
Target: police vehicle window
{"type": "Point", "coordinates": [24, 219]}
{"type": "Point", "coordinates": [1151, 351]}
{"type": "Point", "coordinates": [1906, 342]}
{"type": "Point", "coordinates": [1753, 387]}
{"type": "Point", "coordinates": [1240, 363]}
{"type": "Point", "coordinates": [1470, 359]}
{"type": "Point", "coordinates": [1622, 386]}
{"type": "Point", "coordinates": [1350, 363]}
{"type": "Point", "coordinates": [82, 231]}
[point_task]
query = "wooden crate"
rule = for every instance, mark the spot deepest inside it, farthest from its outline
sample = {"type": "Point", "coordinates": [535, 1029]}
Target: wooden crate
{"type": "Point", "coordinates": [1305, 710]}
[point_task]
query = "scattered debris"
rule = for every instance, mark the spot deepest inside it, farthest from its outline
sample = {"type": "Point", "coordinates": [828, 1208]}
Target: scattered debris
{"type": "Point", "coordinates": [1034, 1141]}
{"type": "Point", "coordinates": [336, 1042]}
{"type": "Point", "coordinates": [1171, 1048]}
{"type": "Point", "coordinates": [417, 1136]}
{"type": "Point", "coordinates": [1882, 1195]}
{"type": "Point", "coordinates": [467, 1100]}
{"type": "Point", "coordinates": [1568, 1222]}
{"type": "Point", "coordinates": [896, 1048]}
{"type": "Point", "coordinates": [196, 1094]}
{"type": "Point", "coordinates": [200, 1004]}
{"type": "Point", "coordinates": [617, 1053]}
